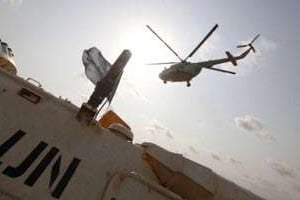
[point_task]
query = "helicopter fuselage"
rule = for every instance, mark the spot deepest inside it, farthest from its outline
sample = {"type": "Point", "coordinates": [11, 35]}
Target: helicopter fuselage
{"type": "Point", "coordinates": [180, 72]}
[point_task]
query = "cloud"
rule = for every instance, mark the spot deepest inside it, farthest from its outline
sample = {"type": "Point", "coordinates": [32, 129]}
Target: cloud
{"type": "Point", "coordinates": [210, 47]}
{"type": "Point", "coordinates": [265, 137]}
{"type": "Point", "coordinates": [254, 125]}
{"type": "Point", "coordinates": [168, 134]}
{"type": "Point", "coordinates": [134, 89]}
{"type": "Point", "coordinates": [193, 150]}
{"type": "Point", "coordinates": [249, 123]}
{"type": "Point", "coordinates": [215, 156]}
{"type": "Point", "coordinates": [266, 183]}
{"type": "Point", "coordinates": [282, 168]}
{"type": "Point", "coordinates": [157, 128]}
{"type": "Point", "coordinates": [14, 3]}
{"type": "Point", "coordinates": [267, 44]}
{"type": "Point", "coordinates": [234, 161]}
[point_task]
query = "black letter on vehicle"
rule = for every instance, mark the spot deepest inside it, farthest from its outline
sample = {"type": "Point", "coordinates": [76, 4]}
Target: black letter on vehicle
{"type": "Point", "coordinates": [14, 172]}
{"type": "Point", "coordinates": [62, 184]}
{"type": "Point", "coordinates": [11, 142]}
{"type": "Point", "coordinates": [32, 178]}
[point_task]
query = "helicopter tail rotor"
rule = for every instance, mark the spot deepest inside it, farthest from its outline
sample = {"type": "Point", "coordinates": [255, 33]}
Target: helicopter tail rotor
{"type": "Point", "coordinates": [250, 44]}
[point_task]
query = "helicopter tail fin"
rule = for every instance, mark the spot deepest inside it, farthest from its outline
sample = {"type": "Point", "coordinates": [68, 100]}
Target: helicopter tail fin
{"type": "Point", "coordinates": [231, 58]}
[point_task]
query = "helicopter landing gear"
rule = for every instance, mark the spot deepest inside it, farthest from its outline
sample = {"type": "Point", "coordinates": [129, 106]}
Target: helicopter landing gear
{"type": "Point", "coordinates": [188, 84]}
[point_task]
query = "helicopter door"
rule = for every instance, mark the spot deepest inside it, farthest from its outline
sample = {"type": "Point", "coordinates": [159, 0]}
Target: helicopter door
{"type": "Point", "coordinates": [132, 186]}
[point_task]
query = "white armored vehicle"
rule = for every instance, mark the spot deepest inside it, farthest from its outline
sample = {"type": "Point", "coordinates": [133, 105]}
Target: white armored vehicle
{"type": "Point", "coordinates": [51, 149]}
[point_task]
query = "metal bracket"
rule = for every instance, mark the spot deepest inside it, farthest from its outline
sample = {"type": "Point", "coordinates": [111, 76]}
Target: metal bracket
{"type": "Point", "coordinates": [29, 95]}
{"type": "Point", "coordinates": [86, 113]}
{"type": "Point", "coordinates": [35, 81]}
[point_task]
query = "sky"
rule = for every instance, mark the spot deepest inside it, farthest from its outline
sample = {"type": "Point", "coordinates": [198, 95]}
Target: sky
{"type": "Point", "coordinates": [244, 127]}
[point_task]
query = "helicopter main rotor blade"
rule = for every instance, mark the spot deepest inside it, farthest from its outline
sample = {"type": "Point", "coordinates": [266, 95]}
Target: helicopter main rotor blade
{"type": "Point", "coordinates": [220, 70]}
{"type": "Point", "coordinates": [242, 46]}
{"type": "Point", "coordinates": [163, 42]}
{"type": "Point", "coordinates": [202, 42]}
{"type": "Point", "coordinates": [255, 38]}
{"type": "Point", "coordinates": [162, 63]}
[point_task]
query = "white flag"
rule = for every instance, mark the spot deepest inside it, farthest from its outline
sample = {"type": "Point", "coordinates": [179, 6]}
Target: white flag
{"type": "Point", "coordinates": [96, 66]}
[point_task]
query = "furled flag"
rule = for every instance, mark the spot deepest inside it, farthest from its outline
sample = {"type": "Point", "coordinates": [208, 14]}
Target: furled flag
{"type": "Point", "coordinates": [96, 66]}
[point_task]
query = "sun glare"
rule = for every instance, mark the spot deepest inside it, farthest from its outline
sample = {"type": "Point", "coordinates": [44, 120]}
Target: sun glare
{"type": "Point", "coordinates": [144, 47]}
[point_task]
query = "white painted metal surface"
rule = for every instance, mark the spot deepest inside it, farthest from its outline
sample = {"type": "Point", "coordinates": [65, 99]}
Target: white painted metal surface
{"type": "Point", "coordinates": [45, 153]}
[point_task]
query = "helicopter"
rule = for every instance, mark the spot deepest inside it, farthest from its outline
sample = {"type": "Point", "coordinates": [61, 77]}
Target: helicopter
{"type": "Point", "coordinates": [185, 71]}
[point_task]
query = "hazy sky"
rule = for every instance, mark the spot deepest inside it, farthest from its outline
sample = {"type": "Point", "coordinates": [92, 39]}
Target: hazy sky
{"type": "Point", "coordinates": [245, 127]}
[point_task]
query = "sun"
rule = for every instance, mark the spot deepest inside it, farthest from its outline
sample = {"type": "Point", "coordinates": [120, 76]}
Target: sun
{"type": "Point", "coordinates": [144, 46]}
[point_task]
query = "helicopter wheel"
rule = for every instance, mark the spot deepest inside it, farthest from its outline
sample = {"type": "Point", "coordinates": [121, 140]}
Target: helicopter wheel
{"type": "Point", "coordinates": [188, 84]}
